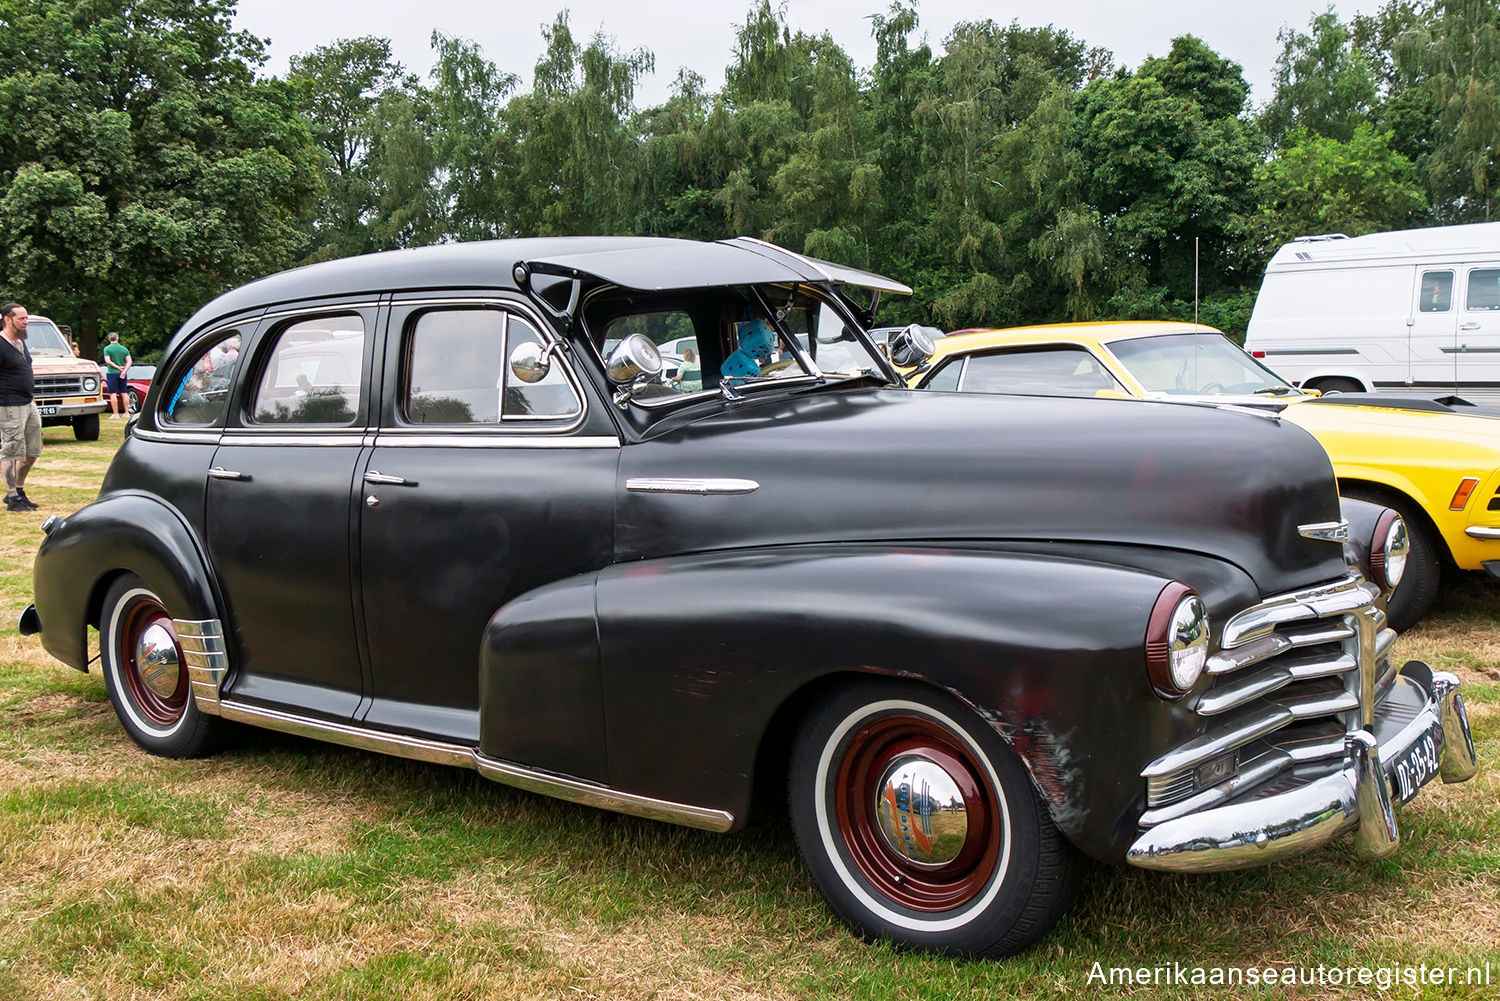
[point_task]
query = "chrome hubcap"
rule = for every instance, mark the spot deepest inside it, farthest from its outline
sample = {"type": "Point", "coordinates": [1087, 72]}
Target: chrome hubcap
{"type": "Point", "coordinates": [921, 811]}
{"type": "Point", "coordinates": [156, 660]}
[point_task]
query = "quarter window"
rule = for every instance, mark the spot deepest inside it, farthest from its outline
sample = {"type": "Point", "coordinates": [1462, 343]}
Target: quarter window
{"type": "Point", "coordinates": [313, 374]}
{"type": "Point", "coordinates": [1437, 291]}
{"type": "Point", "coordinates": [457, 371]}
{"type": "Point", "coordinates": [202, 392]}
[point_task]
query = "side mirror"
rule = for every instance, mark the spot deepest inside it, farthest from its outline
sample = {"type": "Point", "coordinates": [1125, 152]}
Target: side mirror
{"type": "Point", "coordinates": [911, 347]}
{"type": "Point", "coordinates": [633, 358]}
{"type": "Point", "coordinates": [530, 362]}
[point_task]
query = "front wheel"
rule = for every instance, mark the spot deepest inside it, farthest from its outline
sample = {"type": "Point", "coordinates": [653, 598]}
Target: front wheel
{"type": "Point", "coordinates": [135, 401]}
{"type": "Point", "coordinates": [86, 428]}
{"type": "Point", "coordinates": [919, 824]}
{"type": "Point", "coordinates": [146, 674]}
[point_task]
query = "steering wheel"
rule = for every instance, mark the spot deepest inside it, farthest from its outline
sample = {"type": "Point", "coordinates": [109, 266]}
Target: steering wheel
{"type": "Point", "coordinates": [1212, 387]}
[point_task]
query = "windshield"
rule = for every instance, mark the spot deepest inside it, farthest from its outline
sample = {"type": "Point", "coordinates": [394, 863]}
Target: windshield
{"type": "Point", "coordinates": [43, 338]}
{"type": "Point", "coordinates": [1196, 365]}
{"type": "Point", "coordinates": [734, 337]}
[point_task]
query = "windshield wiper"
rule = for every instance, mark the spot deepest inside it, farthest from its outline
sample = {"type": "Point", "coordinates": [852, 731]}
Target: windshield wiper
{"type": "Point", "coordinates": [1274, 391]}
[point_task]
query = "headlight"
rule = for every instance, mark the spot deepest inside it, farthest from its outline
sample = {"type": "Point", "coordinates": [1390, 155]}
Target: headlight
{"type": "Point", "coordinates": [1389, 548]}
{"type": "Point", "coordinates": [1176, 641]}
{"type": "Point", "coordinates": [90, 385]}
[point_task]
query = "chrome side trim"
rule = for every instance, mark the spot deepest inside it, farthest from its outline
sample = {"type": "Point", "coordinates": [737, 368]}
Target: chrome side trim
{"type": "Point", "coordinates": [1482, 532]}
{"type": "Point", "coordinates": [277, 438]}
{"type": "Point", "coordinates": [208, 436]}
{"type": "Point", "coordinates": [401, 745]}
{"type": "Point", "coordinates": [688, 485]}
{"type": "Point", "coordinates": [504, 772]}
{"type": "Point", "coordinates": [1328, 531]}
{"type": "Point", "coordinates": [202, 643]}
{"type": "Point", "coordinates": [589, 794]}
{"type": "Point", "coordinates": [402, 439]}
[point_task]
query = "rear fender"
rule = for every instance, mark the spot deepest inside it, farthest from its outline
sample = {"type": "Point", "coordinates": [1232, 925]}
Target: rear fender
{"type": "Point", "coordinates": [125, 532]}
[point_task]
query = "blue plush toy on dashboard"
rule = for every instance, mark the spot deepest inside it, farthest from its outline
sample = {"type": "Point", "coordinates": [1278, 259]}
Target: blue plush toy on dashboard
{"type": "Point", "coordinates": [757, 344]}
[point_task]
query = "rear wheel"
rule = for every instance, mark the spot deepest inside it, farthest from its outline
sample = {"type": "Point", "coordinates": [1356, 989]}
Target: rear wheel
{"type": "Point", "coordinates": [1419, 585]}
{"type": "Point", "coordinates": [135, 401]}
{"type": "Point", "coordinates": [146, 675]}
{"type": "Point", "coordinates": [1336, 386]}
{"type": "Point", "coordinates": [919, 824]}
{"type": "Point", "coordinates": [86, 428]}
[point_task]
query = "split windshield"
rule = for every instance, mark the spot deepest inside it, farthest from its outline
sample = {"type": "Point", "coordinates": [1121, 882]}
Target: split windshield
{"type": "Point", "coordinates": [1196, 365]}
{"type": "Point", "coordinates": [734, 337]}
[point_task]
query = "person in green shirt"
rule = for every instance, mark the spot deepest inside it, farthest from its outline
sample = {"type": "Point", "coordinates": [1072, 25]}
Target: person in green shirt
{"type": "Point", "coordinates": [116, 364]}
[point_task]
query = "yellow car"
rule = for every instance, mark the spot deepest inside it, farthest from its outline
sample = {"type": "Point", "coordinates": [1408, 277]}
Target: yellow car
{"type": "Point", "coordinates": [1439, 465]}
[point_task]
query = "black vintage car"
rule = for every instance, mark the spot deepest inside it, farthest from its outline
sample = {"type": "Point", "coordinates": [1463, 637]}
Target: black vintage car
{"type": "Point", "coordinates": [959, 639]}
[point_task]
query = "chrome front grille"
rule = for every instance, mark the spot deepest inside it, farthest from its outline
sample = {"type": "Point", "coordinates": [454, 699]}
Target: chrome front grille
{"type": "Point", "coordinates": [59, 385]}
{"type": "Point", "coordinates": [1293, 675]}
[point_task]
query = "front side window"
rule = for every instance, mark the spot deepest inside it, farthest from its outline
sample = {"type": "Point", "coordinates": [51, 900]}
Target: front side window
{"type": "Point", "coordinates": [457, 371]}
{"type": "Point", "coordinates": [1437, 291]}
{"type": "Point", "coordinates": [202, 391]}
{"type": "Point", "coordinates": [1484, 290]}
{"type": "Point", "coordinates": [1057, 371]}
{"type": "Point", "coordinates": [313, 374]}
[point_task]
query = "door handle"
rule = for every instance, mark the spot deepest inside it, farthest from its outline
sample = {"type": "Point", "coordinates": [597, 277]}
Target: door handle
{"type": "Point", "coordinates": [1468, 326]}
{"type": "Point", "coordinates": [220, 473]}
{"type": "Point", "coordinates": [381, 479]}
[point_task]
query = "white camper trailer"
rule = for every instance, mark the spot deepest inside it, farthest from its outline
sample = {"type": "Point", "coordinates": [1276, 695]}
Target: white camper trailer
{"type": "Point", "coordinates": [1415, 311]}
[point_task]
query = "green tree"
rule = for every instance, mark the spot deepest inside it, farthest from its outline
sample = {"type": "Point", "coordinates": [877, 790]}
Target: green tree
{"type": "Point", "coordinates": [1170, 167]}
{"type": "Point", "coordinates": [578, 171]}
{"type": "Point", "coordinates": [1446, 64]}
{"type": "Point", "coordinates": [340, 86]}
{"type": "Point", "coordinates": [1319, 185]}
{"type": "Point", "coordinates": [1324, 82]}
{"type": "Point", "coordinates": [144, 168]}
{"type": "Point", "coordinates": [474, 158]}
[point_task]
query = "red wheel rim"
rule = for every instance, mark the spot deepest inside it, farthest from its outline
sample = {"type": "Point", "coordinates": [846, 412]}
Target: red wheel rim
{"type": "Point", "coordinates": [870, 752]}
{"type": "Point", "coordinates": [146, 619]}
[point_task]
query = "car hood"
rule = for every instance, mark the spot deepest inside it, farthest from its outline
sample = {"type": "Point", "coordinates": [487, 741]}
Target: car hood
{"type": "Point", "coordinates": [864, 465]}
{"type": "Point", "coordinates": [1473, 437]}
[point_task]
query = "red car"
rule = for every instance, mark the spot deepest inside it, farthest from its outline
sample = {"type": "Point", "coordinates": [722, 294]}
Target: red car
{"type": "Point", "coordinates": [137, 381]}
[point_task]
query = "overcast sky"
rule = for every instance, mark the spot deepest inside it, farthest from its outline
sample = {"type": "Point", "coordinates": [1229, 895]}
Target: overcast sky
{"type": "Point", "coordinates": [700, 35]}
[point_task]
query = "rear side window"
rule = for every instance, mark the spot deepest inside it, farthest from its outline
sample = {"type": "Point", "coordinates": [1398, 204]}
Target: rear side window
{"type": "Point", "coordinates": [457, 371]}
{"type": "Point", "coordinates": [202, 392]}
{"type": "Point", "coordinates": [1484, 289]}
{"type": "Point", "coordinates": [313, 374]}
{"type": "Point", "coordinates": [1437, 291]}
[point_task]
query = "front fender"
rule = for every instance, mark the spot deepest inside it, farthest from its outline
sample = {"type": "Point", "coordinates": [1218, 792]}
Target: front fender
{"type": "Point", "coordinates": [125, 532]}
{"type": "Point", "coordinates": [699, 652]}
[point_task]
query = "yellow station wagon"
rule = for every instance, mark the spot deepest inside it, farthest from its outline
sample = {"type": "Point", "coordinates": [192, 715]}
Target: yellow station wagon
{"type": "Point", "coordinates": [1438, 464]}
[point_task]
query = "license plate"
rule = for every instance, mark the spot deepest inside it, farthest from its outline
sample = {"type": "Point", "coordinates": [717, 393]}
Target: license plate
{"type": "Point", "coordinates": [46, 411]}
{"type": "Point", "coordinates": [1417, 766]}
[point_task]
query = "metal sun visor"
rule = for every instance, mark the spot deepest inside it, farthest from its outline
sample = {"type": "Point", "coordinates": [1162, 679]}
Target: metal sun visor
{"type": "Point", "coordinates": [680, 265]}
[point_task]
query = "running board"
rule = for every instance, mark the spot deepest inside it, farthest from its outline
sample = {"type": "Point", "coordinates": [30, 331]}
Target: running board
{"type": "Point", "coordinates": [505, 772]}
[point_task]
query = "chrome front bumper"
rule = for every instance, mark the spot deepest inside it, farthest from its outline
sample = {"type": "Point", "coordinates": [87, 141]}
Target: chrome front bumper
{"type": "Point", "coordinates": [1262, 827]}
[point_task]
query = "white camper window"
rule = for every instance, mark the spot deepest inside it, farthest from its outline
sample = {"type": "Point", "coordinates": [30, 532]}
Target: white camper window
{"type": "Point", "coordinates": [1437, 291]}
{"type": "Point", "coordinates": [1484, 290]}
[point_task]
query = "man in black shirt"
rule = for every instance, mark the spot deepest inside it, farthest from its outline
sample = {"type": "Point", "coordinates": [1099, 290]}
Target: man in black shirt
{"type": "Point", "coordinates": [20, 424]}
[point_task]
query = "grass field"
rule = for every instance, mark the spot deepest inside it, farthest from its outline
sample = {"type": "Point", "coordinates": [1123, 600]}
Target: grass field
{"type": "Point", "coordinates": [285, 868]}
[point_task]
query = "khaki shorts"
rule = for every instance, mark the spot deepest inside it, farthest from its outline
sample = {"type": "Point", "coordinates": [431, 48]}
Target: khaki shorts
{"type": "Point", "coordinates": [21, 430]}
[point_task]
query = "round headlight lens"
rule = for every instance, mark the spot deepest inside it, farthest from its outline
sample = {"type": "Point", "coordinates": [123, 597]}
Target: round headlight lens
{"type": "Point", "coordinates": [1187, 644]}
{"type": "Point", "coordinates": [89, 385]}
{"type": "Point", "coordinates": [1389, 549]}
{"type": "Point", "coordinates": [1177, 641]}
